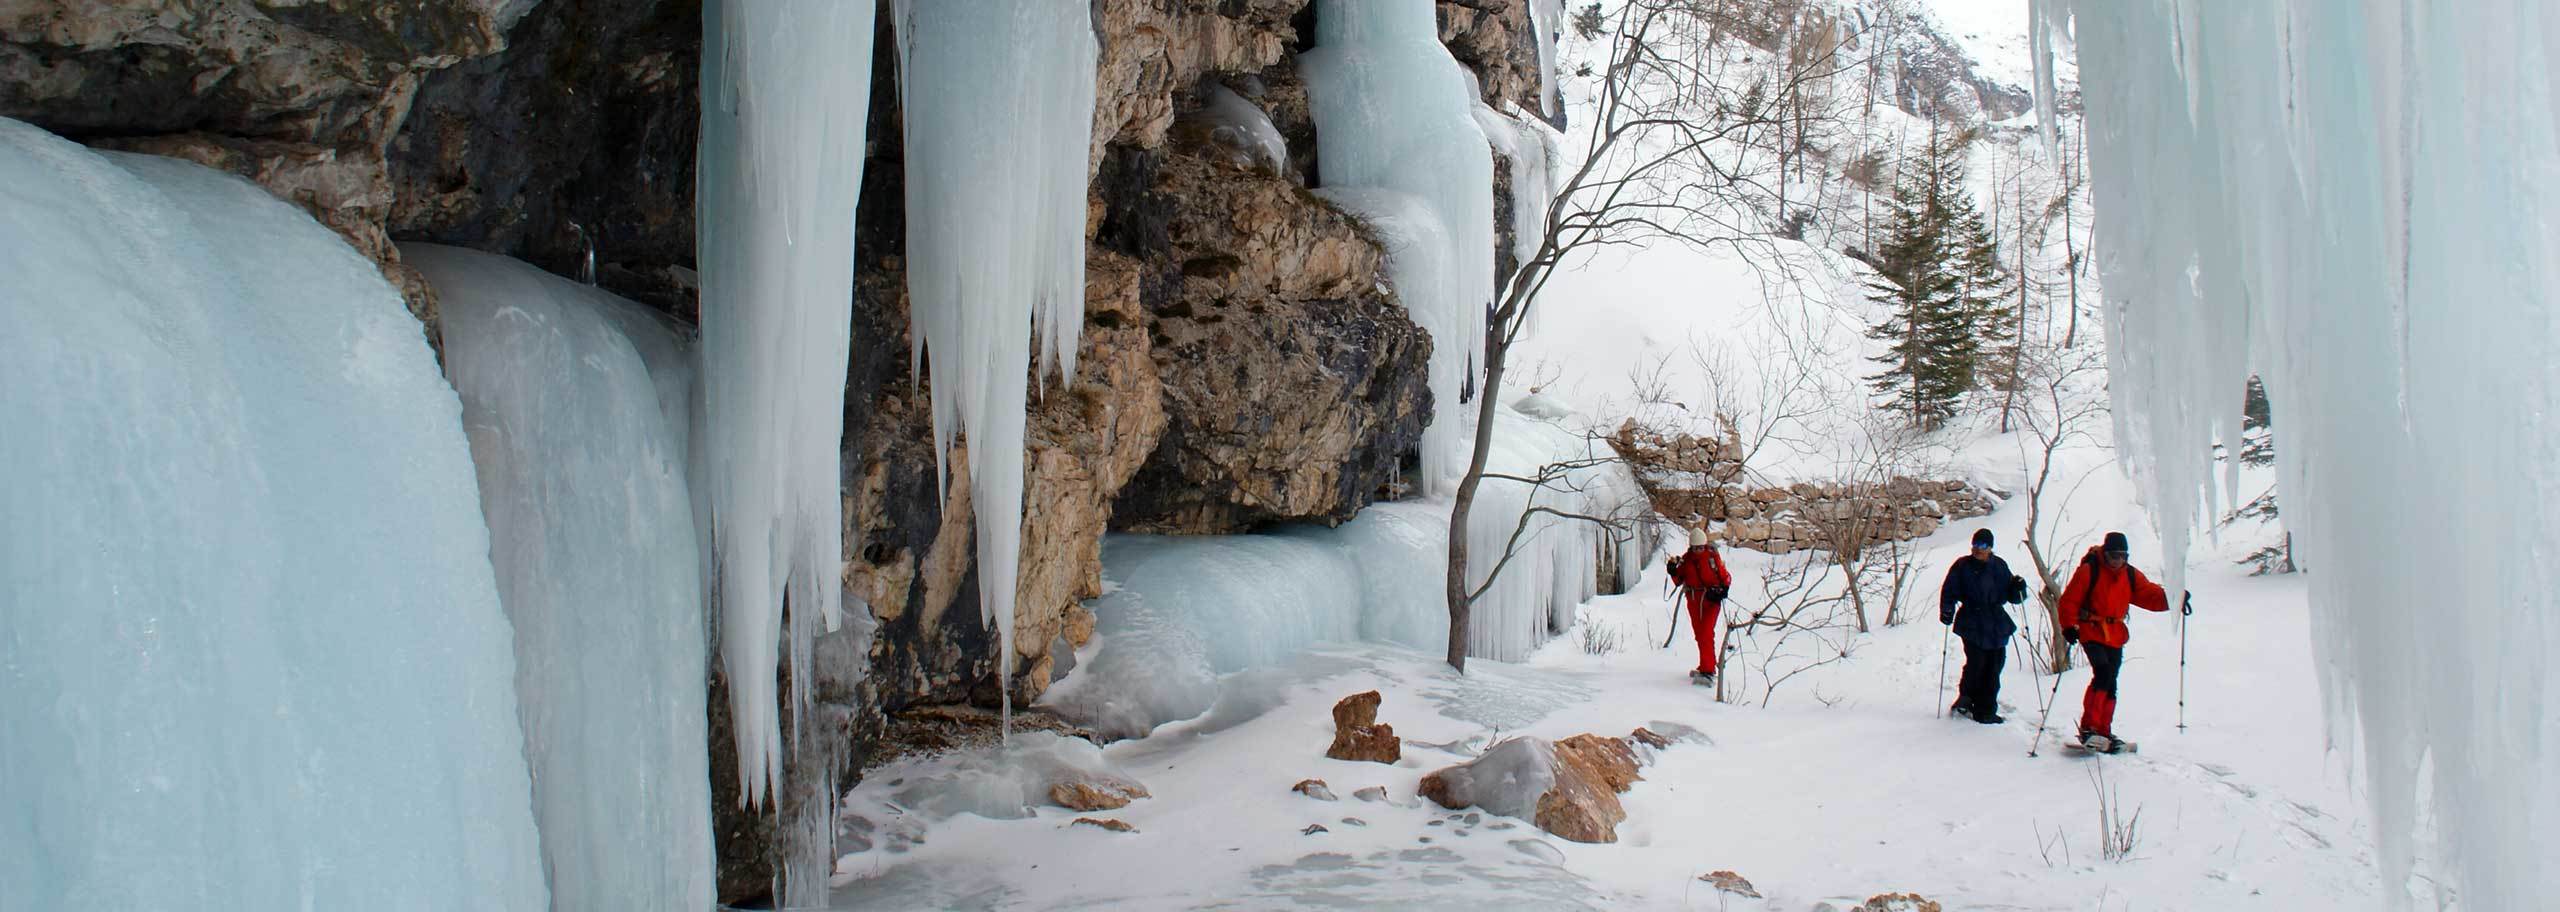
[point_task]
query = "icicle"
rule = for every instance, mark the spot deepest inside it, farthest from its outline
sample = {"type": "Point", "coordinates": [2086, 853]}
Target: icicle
{"type": "Point", "coordinates": [1398, 141]}
{"type": "Point", "coordinates": [1545, 17]}
{"type": "Point", "coordinates": [785, 89]}
{"type": "Point", "coordinates": [2356, 203]}
{"type": "Point", "coordinates": [998, 98]}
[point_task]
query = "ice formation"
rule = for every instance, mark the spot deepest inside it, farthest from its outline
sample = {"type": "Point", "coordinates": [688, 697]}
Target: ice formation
{"type": "Point", "coordinates": [2355, 205]}
{"type": "Point", "coordinates": [1399, 146]}
{"type": "Point", "coordinates": [1531, 148]}
{"type": "Point", "coordinates": [999, 102]}
{"type": "Point", "coordinates": [1242, 124]}
{"type": "Point", "coordinates": [254, 654]}
{"type": "Point", "coordinates": [582, 477]}
{"type": "Point", "coordinates": [1545, 17]}
{"type": "Point", "coordinates": [1186, 611]}
{"type": "Point", "coordinates": [785, 85]}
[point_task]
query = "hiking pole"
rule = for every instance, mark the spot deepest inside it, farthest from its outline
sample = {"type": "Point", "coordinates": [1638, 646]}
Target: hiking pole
{"type": "Point", "coordinates": [2047, 714]}
{"type": "Point", "coordinates": [2186, 608]}
{"type": "Point", "coordinates": [1942, 671]}
{"type": "Point", "coordinates": [1677, 596]}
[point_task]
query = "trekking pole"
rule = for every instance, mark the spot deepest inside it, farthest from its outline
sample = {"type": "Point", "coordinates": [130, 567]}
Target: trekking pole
{"type": "Point", "coordinates": [1942, 671]}
{"type": "Point", "coordinates": [1677, 595]}
{"type": "Point", "coordinates": [2186, 608]}
{"type": "Point", "coordinates": [2046, 714]}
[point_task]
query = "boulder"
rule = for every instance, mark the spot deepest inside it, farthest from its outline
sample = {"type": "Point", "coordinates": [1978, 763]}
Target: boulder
{"type": "Point", "coordinates": [1898, 902]}
{"type": "Point", "coordinates": [1566, 791]}
{"type": "Point", "coordinates": [1358, 735]}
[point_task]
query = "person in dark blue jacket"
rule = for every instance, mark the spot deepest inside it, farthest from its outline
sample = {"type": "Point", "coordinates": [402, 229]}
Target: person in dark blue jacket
{"type": "Point", "coordinates": [1971, 601]}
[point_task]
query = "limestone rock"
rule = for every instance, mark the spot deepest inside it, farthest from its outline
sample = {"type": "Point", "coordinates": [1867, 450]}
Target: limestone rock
{"type": "Point", "coordinates": [1733, 883]}
{"type": "Point", "coordinates": [1313, 788]}
{"type": "Point", "coordinates": [1564, 792]}
{"type": "Point", "coordinates": [1107, 823]}
{"type": "Point", "coordinates": [1377, 793]}
{"type": "Point", "coordinates": [1898, 902]}
{"type": "Point", "coordinates": [1083, 791]}
{"type": "Point", "coordinates": [1358, 735]}
{"type": "Point", "coordinates": [1608, 760]}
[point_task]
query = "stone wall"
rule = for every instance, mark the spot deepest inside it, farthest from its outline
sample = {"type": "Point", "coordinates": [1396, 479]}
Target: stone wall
{"type": "Point", "coordinates": [1701, 479]}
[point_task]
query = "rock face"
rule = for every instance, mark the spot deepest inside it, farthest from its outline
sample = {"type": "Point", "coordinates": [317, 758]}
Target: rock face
{"type": "Point", "coordinates": [1358, 735]}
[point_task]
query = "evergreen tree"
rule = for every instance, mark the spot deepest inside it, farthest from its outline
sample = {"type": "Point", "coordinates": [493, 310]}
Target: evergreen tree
{"type": "Point", "coordinates": [1936, 256]}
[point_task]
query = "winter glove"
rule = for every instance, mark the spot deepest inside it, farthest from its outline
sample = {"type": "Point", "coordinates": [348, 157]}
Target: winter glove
{"type": "Point", "coordinates": [2071, 634]}
{"type": "Point", "coordinates": [1947, 618]}
{"type": "Point", "coordinates": [2017, 590]}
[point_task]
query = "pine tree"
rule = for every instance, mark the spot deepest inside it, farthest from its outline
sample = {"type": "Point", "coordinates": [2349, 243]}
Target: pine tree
{"type": "Point", "coordinates": [1935, 269]}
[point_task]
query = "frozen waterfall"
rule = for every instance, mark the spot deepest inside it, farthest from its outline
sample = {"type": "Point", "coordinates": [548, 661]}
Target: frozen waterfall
{"type": "Point", "coordinates": [786, 88]}
{"type": "Point", "coordinates": [1184, 612]}
{"type": "Point", "coordinates": [2355, 204]}
{"type": "Point", "coordinates": [998, 96]}
{"type": "Point", "coordinates": [1399, 146]}
{"type": "Point", "coordinates": [253, 652]}
{"type": "Point", "coordinates": [581, 454]}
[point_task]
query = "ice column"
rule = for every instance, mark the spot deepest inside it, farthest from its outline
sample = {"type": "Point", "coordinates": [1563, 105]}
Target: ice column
{"type": "Point", "coordinates": [998, 99]}
{"type": "Point", "coordinates": [1399, 143]}
{"type": "Point", "coordinates": [2355, 201]}
{"type": "Point", "coordinates": [251, 651]}
{"type": "Point", "coordinates": [582, 478]}
{"type": "Point", "coordinates": [785, 92]}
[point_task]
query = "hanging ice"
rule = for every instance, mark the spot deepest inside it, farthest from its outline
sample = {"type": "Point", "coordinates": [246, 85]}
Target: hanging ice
{"type": "Point", "coordinates": [998, 96]}
{"type": "Point", "coordinates": [1186, 611]}
{"type": "Point", "coordinates": [785, 92]}
{"type": "Point", "coordinates": [1545, 17]}
{"type": "Point", "coordinates": [582, 478]}
{"type": "Point", "coordinates": [2355, 204]}
{"type": "Point", "coordinates": [253, 655]}
{"type": "Point", "coordinates": [1398, 145]}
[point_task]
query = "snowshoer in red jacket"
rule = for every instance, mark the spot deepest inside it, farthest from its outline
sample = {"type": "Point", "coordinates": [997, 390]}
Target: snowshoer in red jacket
{"type": "Point", "coordinates": [2103, 591]}
{"type": "Point", "coordinates": [1703, 580]}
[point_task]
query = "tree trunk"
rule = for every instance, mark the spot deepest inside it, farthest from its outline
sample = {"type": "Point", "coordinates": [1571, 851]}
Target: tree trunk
{"type": "Point", "coordinates": [1488, 399]}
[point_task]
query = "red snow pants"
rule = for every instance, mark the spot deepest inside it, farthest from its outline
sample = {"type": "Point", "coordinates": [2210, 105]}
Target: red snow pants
{"type": "Point", "coordinates": [1702, 622]}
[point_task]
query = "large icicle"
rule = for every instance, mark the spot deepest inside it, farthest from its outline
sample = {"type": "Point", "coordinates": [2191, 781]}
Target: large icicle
{"type": "Point", "coordinates": [1398, 142]}
{"type": "Point", "coordinates": [998, 96]}
{"type": "Point", "coordinates": [2356, 202]}
{"type": "Point", "coordinates": [582, 477]}
{"type": "Point", "coordinates": [785, 92]}
{"type": "Point", "coordinates": [251, 651]}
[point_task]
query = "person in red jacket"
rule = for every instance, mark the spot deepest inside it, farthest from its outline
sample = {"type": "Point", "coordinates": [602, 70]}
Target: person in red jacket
{"type": "Point", "coordinates": [1703, 580]}
{"type": "Point", "coordinates": [2102, 592]}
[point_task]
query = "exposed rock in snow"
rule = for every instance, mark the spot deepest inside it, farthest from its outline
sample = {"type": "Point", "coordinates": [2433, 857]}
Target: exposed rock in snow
{"type": "Point", "coordinates": [1314, 788]}
{"type": "Point", "coordinates": [1107, 823]}
{"type": "Point", "coordinates": [1358, 735]}
{"type": "Point", "coordinates": [1568, 788]}
{"type": "Point", "coordinates": [1083, 790]}
{"type": "Point", "coordinates": [1730, 882]}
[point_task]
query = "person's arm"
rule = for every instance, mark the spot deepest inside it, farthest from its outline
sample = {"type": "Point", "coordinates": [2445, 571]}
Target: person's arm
{"type": "Point", "coordinates": [2072, 596]}
{"type": "Point", "coordinates": [2148, 594]}
{"type": "Point", "coordinates": [2017, 585]}
{"type": "Point", "coordinates": [1723, 573]}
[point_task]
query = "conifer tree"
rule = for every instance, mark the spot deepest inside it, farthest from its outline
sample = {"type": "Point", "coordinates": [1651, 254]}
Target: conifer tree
{"type": "Point", "coordinates": [1925, 283]}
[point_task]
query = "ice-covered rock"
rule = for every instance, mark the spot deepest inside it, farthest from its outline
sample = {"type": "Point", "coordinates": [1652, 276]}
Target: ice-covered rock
{"type": "Point", "coordinates": [1568, 788]}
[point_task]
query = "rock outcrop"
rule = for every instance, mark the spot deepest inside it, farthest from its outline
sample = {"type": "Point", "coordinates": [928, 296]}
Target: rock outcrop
{"type": "Point", "coordinates": [1359, 736]}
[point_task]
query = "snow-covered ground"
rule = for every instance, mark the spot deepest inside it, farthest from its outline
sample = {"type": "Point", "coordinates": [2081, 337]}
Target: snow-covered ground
{"type": "Point", "coordinates": [1848, 784]}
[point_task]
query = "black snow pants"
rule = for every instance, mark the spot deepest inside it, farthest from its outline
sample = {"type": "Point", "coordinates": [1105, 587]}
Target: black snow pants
{"type": "Point", "coordinates": [2104, 662]}
{"type": "Point", "coordinates": [1978, 692]}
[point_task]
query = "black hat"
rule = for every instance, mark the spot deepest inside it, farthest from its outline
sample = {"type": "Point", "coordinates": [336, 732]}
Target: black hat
{"type": "Point", "coordinates": [1982, 538]}
{"type": "Point", "coordinates": [2116, 544]}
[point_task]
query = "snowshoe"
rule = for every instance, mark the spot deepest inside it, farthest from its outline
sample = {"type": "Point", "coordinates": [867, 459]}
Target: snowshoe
{"type": "Point", "coordinates": [2092, 743]}
{"type": "Point", "coordinates": [1959, 711]}
{"type": "Point", "coordinates": [1703, 678]}
{"type": "Point", "coordinates": [1991, 719]}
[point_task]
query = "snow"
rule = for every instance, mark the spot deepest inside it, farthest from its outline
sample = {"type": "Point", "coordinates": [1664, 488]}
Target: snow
{"type": "Point", "coordinates": [254, 656]}
{"type": "Point", "coordinates": [780, 170]}
{"type": "Point", "coordinates": [1398, 146]}
{"type": "Point", "coordinates": [2353, 205]}
{"type": "Point", "coordinates": [999, 97]}
{"type": "Point", "coordinates": [582, 478]}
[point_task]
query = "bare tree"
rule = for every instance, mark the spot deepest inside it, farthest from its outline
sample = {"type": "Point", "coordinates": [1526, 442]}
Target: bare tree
{"type": "Point", "coordinates": [1802, 622]}
{"type": "Point", "coordinates": [1669, 159]}
{"type": "Point", "coordinates": [2057, 410]}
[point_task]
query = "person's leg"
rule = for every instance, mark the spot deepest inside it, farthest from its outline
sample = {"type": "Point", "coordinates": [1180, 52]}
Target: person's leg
{"type": "Point", "coordinates": [1969, 684]}
{"type": "Point", "coordinates": [1988, 701]}
{"type": "Point", "coordinates": [2103, 664]}
{"type": "Point", "coordinates": [1701, 625]}
{"type": "Point", "coordinates": [1708, 633]}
